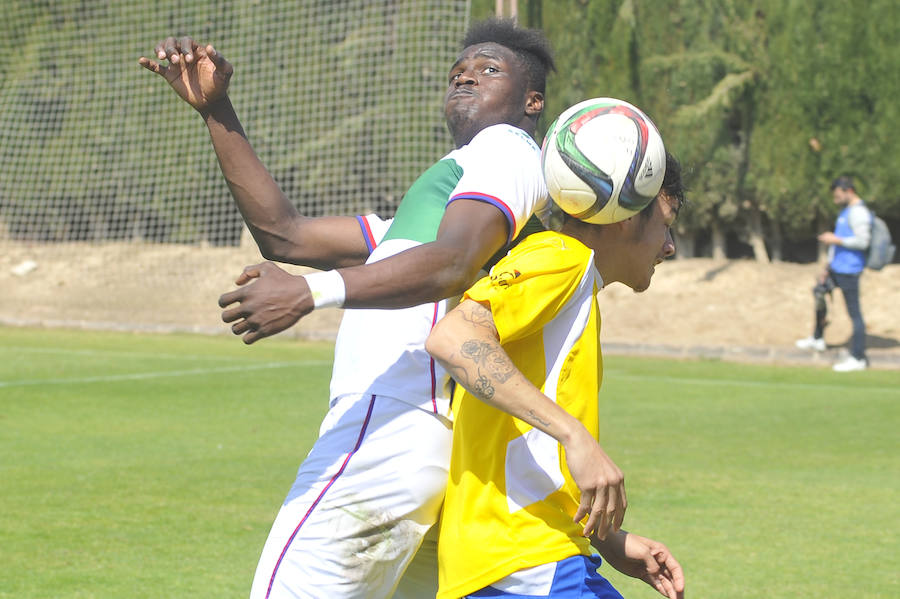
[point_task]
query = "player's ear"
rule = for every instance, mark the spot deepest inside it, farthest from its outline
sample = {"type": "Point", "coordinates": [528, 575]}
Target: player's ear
{"type": "Point", "coordinates": [534, 103]}
{"type": "Point", "coordinates": [627, 226]}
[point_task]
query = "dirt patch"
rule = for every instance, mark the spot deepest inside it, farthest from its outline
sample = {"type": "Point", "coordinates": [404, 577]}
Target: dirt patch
{"type": "Point", "coordinates": [698, 307]}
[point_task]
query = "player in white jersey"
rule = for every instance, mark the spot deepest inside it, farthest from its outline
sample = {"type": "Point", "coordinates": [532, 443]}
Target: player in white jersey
{"type": "Point", "coordinates": [372, 485]}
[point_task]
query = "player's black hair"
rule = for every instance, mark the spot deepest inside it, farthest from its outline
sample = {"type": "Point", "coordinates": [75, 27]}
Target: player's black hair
{"type": "Point", "coordinates": [531, 46]}
{"type": "Point", "coordinates": [672, 186]}
{"type": "Point", "coordinates": [844, 183]}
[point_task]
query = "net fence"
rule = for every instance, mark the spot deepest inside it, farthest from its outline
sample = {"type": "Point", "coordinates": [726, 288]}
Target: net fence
{"type": "Point", "coordinates": [113, 211]}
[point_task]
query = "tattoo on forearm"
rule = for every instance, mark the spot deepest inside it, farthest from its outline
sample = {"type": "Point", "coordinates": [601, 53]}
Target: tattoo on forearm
{"type": "Point", "coordinates": [481, 364]}
{"type": "Point", "coordinates": [492, 366]}
{"type": "Point", "coordinates": [472, 349]}
{"type": "Point", "coordinates": [483, 387]}
{"type": "Point", "coordinates": [491, 357]}
{"type": "Point", "coordinates": [478, 315]}
{"type": "Point", "coordinates": [538, 419]}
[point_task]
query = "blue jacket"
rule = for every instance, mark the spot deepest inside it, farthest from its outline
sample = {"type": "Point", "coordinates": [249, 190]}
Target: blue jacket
{"type": "Point", "coordinates": [847, 260]}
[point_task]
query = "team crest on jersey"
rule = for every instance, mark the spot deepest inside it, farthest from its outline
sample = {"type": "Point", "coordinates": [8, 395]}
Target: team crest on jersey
{"type": "Point", "coordinates": [503, 278]}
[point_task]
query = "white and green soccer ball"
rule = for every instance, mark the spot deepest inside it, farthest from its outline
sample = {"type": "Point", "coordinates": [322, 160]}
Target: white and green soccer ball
{"type": "Point", "coordinates": [603, 160]}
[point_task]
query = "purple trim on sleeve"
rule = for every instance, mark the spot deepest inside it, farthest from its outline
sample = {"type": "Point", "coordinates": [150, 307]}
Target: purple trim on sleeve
{"type": "Point", "coordinates": [497, 202]}
{"type": "Point", "coordinates": [367, 233]}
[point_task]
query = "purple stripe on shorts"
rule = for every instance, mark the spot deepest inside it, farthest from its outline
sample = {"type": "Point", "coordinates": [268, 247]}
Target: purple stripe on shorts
{"type": "Point", "coordinates": [362, 433]}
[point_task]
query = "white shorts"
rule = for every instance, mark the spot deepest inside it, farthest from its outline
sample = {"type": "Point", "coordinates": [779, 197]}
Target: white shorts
{"type": "Point", "coordinates": [364, 497]}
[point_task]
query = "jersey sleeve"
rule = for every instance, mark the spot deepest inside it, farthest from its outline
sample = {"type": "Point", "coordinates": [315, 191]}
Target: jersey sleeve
{"type": "Point", "coordinates": [502, 166]}
{"type": "Point", "coordinates": [532, 285]}
{"type": "Point", "coordinates": [373, 229]}
{"type": "Point", "coordinates": [860, 220]}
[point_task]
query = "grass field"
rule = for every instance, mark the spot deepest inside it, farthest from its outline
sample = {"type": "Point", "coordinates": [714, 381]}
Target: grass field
{"type": "Point", "coordinates": [152, 466]}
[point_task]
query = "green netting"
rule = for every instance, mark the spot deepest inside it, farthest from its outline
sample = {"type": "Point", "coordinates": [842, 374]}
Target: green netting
{"type": "Point", "coordinates": [341, 99]}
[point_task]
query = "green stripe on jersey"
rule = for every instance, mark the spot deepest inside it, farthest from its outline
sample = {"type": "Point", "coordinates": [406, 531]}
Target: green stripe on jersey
{"type": "Point", "coordinates": [422, 208]}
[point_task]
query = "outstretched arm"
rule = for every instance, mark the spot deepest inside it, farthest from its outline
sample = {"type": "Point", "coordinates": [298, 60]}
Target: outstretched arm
{"type": "Point", "coordinates": [200, 76]}
{"type": "Point", "coordinates": [645, 559]}
{"type": "Point", "coordinates": [470, 233]}
{"type": "Point", "coordinates": [467, 344]}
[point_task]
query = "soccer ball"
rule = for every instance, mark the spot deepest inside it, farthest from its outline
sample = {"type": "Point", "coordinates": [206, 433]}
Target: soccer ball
{"type": "Point", "coordinates": [603, 160]}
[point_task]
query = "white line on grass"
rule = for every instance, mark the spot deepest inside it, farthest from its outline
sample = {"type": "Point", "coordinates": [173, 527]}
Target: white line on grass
{"type": "Point", "coordinates": [716, 382]}
{"type": "Point", "coordinates": [162, 374]}
{"type": "Point", "coordinates": [118, 353]}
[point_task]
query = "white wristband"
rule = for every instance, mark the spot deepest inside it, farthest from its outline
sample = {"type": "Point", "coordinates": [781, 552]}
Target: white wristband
{"type": "Point", "coordinates": [327, 288]}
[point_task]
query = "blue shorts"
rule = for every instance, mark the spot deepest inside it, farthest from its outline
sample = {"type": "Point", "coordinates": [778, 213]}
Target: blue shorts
{"type": "Point", "coordinates": [575, 578]}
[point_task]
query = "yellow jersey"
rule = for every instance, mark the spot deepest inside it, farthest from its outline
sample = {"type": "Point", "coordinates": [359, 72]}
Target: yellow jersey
{"type": "Point", "coordinates": [510, 498]}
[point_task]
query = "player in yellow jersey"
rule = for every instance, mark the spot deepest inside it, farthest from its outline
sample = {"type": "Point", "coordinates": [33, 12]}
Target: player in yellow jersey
{"type": "Point", "coordinates": [526, 340]}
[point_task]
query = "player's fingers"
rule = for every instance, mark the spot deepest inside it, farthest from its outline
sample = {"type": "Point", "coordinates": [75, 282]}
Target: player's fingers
{"type": "Point", "coordinates": [151, 65]}
{"type": "Point", "coordinates": [242, 326]}
{"type": "Point", "coordinates": [187, 48]}
{"type": "Point", "coordinates": [222, 65]}
{"type": "Point", "coordinates": [249, 273]}
{"type": "Point", "coordinates": [614, 506]}
{"type": "Point", "coordinates": [664, 573]}
{"type": "Point", "coordinates": [671, 565]}
{"type": "Point", "coordinates": [621, 504]}
{"type": "Point", "coordinates": [160, 50]}
{"type": "Point", "coordinates": [584, 508]}
{"type": "Point", "coordinates": [662, 584]}
{"type": "Point", "coordinates": [170, 47]}
{"type": "Point", "coordinates": [602, 520]}
{"type": "Point", "coordinates": [593, 524]}
{"type": "Point", "coordinates": [604, 507]}
{"type": "Point", "coordinates": [234, 314]}
{"type": "Point", "coordinates": [656, 575]}
{"type": "Point", "coordinates": [226, 299]}
{"type": "Point", "coordinates": [257, 270]}
{"type": "Point", "coordinates": [653, 566]}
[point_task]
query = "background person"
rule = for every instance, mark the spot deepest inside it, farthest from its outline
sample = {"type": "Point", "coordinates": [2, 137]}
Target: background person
{"type": "Point", "coordinates": [846, 261]}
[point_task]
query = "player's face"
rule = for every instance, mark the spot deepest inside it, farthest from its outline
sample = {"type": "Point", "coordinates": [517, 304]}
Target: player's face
{"type": "Point", "coordinates": [653, 243]}
{"type": "Point", "coordinates": [840, 196]}
{"type": "Point", "coordinates": [487, 86]}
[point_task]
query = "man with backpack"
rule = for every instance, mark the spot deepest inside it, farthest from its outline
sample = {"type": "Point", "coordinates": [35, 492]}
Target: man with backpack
{"type": "Point", "coordinates": [846, 260]}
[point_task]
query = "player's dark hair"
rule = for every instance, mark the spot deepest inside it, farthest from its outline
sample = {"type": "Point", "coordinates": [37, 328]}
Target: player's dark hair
{"type": "Point", "coordinates": [531, 46]}
{"type": "Point", "coordinates": [672, 186]}
{"type": "Point", "coordinates": [844, 183]}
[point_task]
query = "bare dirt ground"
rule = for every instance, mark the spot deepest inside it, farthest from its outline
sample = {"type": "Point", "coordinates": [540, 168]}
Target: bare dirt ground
{"type": "Point", "coordinates": [732, 310]}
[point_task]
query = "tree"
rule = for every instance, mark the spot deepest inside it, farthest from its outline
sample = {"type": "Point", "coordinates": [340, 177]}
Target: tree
{"type": "Point", "coordinates": [764, 102]}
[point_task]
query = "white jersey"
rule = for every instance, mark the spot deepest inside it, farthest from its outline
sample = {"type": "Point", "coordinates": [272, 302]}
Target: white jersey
{"type": "Point", "coordinates": [382, 352]}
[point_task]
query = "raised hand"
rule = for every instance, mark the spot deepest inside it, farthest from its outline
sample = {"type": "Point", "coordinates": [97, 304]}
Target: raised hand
{"type": "Point", "coordinates": [198, 74]}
